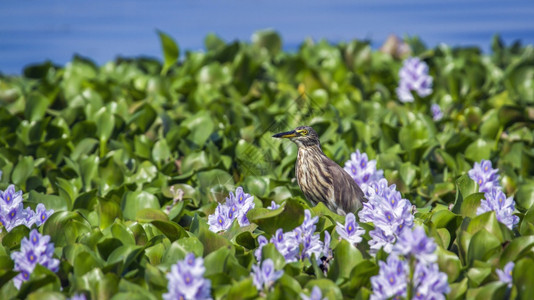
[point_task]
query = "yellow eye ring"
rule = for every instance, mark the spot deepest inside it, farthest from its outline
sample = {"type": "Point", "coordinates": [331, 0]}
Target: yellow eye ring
{"type": "Point", "coordinates": [304, 132]}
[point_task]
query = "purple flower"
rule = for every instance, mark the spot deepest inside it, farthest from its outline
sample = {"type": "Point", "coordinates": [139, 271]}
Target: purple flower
{"type": "Point", "coordinates": [414, 77]}
{"type": "Point", "coordinates": [351, 231]}
{"type": "Point", "coordinates": [265, 275]}
{"type": "Point", "coordinates": [485, 176]}
{"type": "Point", "coordinates": [219, 221]}
{"type": "Point", "coordinates": [416, 244]}
{"type": "Point", "coordinates": [273, 206]}
{"type": "Point", "coordinates": [262, 241]}
{"type": "Point", "coordinates": [389, 213]}
{"type": "Point", "coordinates": [327, 251]}
{"type": "Point", "coordinates": [286, 244]}
{"type": "Point", "coordinates": [41, 214]}
{"type": "Point", "coordinates": [35, 250]}
{"type": "Point", "coordinates": [13, 213]}
{"type": "Point", "coordinates": [495, 200]}
{"type": "Point", "coordinates": [391, 281]}
{"type": "Point", "coordinates": [10, 199]}
{"type": "Point", "coordinates": [243, 202]}
{"type": "Point", "coordinates": [436, 112]}
{"type": "Point", "coordinates": [429, 282]}
{"type": "Point", "coordinates": [300, 243]}
{"type": "Point", "coordinates": [235, 207]}
{"type": "Point", "coordinates": [78, 297]}
{"type": "Point", "coordinates": [505, 275]}
{"type": "Point", "coordinates": [186, 280]}
{"type": "Point", "coordinates": [316, 294]}
{"type": "Point", "coordinates": [361, 169]}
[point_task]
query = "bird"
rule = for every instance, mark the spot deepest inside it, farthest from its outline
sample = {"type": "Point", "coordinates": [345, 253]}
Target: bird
{"type": "Point", "coordinates": [319, 177]}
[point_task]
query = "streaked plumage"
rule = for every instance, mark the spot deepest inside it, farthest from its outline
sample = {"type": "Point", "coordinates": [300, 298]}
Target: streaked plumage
{"type": "Point", "coordinates": [320, 178]}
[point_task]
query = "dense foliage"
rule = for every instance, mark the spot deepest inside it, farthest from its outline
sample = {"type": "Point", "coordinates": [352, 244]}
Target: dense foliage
{"type": "Point", "coordinates": [133, 156]}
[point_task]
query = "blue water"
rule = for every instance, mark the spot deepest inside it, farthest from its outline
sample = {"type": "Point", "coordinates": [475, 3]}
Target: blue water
{"type": "Point", "coordinates": [34, 31]}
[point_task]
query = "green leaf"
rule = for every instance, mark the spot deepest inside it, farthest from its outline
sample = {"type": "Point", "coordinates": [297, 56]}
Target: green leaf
{"type": "Point", "coordinates": [482, 244]}
{"type": "Point", "coordinates": [523, 277]}
{"type": "Point", "coordinates": [170, 49]}
{"type": "Point", "coordinates": [23, 170]}
{"type": "Point", "coordinates": [65, 227]}
{"type": "Point", "coordinates": [478, 150]}
{"type": "Point", "coordinates": [132, 202]}
{"type": "Point", "coordinates": [347, 257]}
{"type": "Point", "coordinates": [36, 105]}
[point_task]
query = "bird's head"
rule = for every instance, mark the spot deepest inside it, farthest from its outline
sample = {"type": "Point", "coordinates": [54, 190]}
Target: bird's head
{"type": "Point", "coordinates": [303, 136]}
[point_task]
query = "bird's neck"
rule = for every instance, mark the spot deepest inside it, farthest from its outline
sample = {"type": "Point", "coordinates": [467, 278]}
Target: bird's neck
{"type": "Point", "coordinates": [310, 150]}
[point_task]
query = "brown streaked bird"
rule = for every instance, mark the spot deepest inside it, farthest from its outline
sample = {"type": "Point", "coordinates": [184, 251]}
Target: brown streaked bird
{"type": "Point", "coordinates": [320, 178]}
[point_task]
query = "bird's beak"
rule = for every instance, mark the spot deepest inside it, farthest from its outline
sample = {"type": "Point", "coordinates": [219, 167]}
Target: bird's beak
{"type": "Point", "coordinates": [288, 134]}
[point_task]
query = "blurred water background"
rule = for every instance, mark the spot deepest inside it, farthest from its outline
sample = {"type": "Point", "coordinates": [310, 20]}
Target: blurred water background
{"type": "Point", "coordinates": [35, 31]}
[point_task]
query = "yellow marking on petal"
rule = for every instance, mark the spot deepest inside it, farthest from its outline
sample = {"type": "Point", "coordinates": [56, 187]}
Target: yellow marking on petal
{"type": "Point", "coordinates": [479, 181]}
{"type": "Point", "coordinates": [350, 228]}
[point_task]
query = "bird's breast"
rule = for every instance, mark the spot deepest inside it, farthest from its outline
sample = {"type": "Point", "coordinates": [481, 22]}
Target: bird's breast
{"type": "Point", "coordinates": [313, 177]}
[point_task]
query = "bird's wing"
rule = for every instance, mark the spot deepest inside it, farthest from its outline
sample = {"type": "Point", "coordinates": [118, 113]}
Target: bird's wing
{"type": "Point", "coordinates": [347, 193]}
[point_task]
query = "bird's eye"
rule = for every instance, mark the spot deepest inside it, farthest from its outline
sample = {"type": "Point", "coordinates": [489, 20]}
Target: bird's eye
{"type": "Point", "coordinates": [304, 132]}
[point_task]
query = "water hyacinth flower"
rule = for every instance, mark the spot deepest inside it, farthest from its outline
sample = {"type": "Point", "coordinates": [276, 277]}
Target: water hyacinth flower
{"type": "Point", "coordinates": [273, 206]}
{"type": "Point", "coordinates": [41, 214]}
{"type": "Point", "coordinates": [414, 77]}
{"type": "Point", "coordinates": [391, 281]}
{"type": "Point", "coordinates": [300, 243]}
{"type": "Point", "coordinates": [316, 294]}
{"type": "Point", "coordinates": [286, 244]}
{"type": "Point", "coordinates": [437, 114]}
{"type": "Point", "coordinates": [351, 231]}
{"type": "Point", "coordinates": [35, 250]}
{"type": "Point", "coordinates": [505, 275]}
{"type": "Point", "coordinates": [265, 275]}
{"type": "Point", "coordinates": [13, 213]}
{"type": "Point", "coordinates": [362, 170]}
{"type": "Point", "coordinates": [496, 201]}
{"type": "Point", "coordinates": [429, 282]}
{"type": "Point", "coordinates": [219, 220]}
{"type": "Point", "coordinates": [235, 207]}
{"type": "Point", "coordinates": [389, 213]}
{"type": "Point", "coordinates": [78, 297]}
{"type": "Point", "coordinates": [262, 241]}
{"type": "Point", "coordinates": [485, 176]}
{"type": "Point", "coordinates": [186, 280]}
{"type": "Point", "coordinates": [416, 244]}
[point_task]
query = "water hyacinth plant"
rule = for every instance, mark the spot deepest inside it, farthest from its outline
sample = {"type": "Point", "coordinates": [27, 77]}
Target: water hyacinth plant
{"type": "Point", "coordinates": [264, 275]}
{"type": "Point", "coordinates": [130, 155]}
{"type": "Point", "coordinates": [37, 249]}
{"type": "Point", "coordinates": [300, 243]}
{"type": "Point", "coordinates": [13, 214]}
{"type": "Point", "coordinates": [235, 208]}
{"type": "Point", "coordinates": [410, 270]}
{"type": "Point", "coordinates": [362, 170]}
{"type": "Point", "coordinates": [414, 77]}
{"type": "Point", "coordinates": [485, 176]}
{"type": "Point", "coordinates": [316, 294]}
{"type": "Point", "coordinates": [495, 200]}
{"type": "Point", "coordinates": [186, 280]}
{"type": "Point", "coordinates": [505, 275]}
{"type": "Point", "coordinates": [437, 114]}
{"type": "Point", "coordinates": [350, 231]}
{"type": "Point", "coordinates": [388, 212]}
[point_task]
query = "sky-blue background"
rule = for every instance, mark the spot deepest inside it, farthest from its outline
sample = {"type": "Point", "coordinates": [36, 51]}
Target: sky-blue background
{"type": "Point", "coordinates": [33, 31]}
